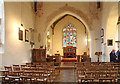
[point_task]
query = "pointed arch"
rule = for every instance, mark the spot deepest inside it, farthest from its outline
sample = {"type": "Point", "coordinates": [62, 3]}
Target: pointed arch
{"type": "Point", "coordinates": [53, 18]}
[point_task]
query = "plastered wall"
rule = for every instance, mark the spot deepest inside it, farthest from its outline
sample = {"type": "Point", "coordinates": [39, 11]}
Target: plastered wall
{"type": "Point", "coordinates": [17, 51]}
{"type": "Point", "coordinates": [109, 23]}
{"type": "Point", "coordinates": [1, 31]}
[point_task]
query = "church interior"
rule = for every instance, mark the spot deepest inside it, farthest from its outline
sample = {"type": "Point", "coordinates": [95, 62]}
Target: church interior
{"type": "Point", "coordinates": [54, 41]}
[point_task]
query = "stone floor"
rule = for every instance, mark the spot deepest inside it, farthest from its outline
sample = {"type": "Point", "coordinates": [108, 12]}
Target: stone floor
{"type": "Point", "coordinates": [71, 64]}
{"type": "Point", "coordinates": [66, 76]}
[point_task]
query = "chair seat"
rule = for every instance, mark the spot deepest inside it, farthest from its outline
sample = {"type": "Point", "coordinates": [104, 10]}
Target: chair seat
{"type": "Point", "coordinates": [14, 77]}
{"type": "Point", "coordinates": [46, 75]}
{"type": "Point", "coordinates": [6, 78]}
{"type": "Point", "coordinates": [81, 76]}
{"type": "Point", "coordinates": [87, 78]}
{"type": "Point", "coordinates": [106, 78]}
{"type": "Point", "coordinates": [42, 79]}
{"type": "Point", "coordinates": [2, 76]}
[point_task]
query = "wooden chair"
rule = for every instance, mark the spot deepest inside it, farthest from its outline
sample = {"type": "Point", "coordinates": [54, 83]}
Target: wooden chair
{"type": "Point", "coordinates": [3, 76]}
{"type": "Point", "coordinates": [80, 75]}
{"type": "Point", "coordinates": [11, 77]}
{"type": "Point", "coordinates": [2, 79]}
{"type": "Point", "coordinates": [40, 77]}
{"type": "Point", "coordinates": [108, 76]}
{"type": "Point", "coordinates": [23, 66]}
{"type": "Point", "coordinates": [27, 77]}
{"type": "Point", "coordinates": [9, 68]}
{"type": "Point", "coordinates": [16, 67]}
{"type": "Point", "coordinates": [28, 64]}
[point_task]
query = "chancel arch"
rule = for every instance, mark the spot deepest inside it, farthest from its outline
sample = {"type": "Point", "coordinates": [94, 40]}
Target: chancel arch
{"type": "Point", "coordinates": [82, 43]}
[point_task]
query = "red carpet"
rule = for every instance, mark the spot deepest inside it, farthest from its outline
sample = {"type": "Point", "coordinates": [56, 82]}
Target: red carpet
{"type": "Point", "coordinates": [69, 60]}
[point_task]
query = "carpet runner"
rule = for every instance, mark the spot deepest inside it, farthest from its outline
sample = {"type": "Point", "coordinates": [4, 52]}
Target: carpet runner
{"type": "Point", "coordinates": [69, 60]}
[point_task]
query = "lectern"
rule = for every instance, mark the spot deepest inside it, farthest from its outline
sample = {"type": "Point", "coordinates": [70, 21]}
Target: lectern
{"type": "Point", "coordinates": [98, 54]}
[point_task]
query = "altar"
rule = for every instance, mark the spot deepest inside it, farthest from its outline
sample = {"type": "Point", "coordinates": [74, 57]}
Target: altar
{"type": "Point", "coordinates": [69, 52]}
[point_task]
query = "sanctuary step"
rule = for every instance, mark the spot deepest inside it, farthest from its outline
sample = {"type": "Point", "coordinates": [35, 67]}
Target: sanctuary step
{"type": "Point", "coordinates": [69, 60]}
{"type": "Point", "coordinates": [67, 65]}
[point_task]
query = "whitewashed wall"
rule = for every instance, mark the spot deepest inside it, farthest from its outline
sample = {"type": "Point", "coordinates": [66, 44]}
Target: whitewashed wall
{"type": "Point", "coordinates": [17, 51]}
{"type": "Point", "coordinates": [109, 23]}
{"type": "Point", "coordinates": [1, 61]}
{"type": "Point", "coordinates": [1, 31]}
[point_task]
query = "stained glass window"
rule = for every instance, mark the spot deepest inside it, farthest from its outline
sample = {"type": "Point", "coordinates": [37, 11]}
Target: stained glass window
{"type": "Point", "coordinates": [69, 36]}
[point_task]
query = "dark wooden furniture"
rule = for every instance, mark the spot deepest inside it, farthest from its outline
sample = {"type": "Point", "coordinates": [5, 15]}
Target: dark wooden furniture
{"type": "Point", "coordinates": [54, 58]}
{"type": "Point", "coordinates": [38, 55]}
{"type": "Point", "coordinates": [69, 52]}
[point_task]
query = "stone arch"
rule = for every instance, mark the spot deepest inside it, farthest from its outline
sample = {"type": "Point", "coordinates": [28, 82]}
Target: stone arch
{"type": "Point", "coordinates": [68, 10]}
{"type": "Point", "coordinates": [72, 11]}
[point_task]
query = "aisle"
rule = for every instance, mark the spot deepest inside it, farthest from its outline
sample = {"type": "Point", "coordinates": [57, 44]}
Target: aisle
{"type": "Point", "coordinates": [66, 76]}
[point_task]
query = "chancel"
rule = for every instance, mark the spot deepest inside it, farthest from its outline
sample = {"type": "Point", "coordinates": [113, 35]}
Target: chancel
{"type": "Point", "coordinates": [65, 41]}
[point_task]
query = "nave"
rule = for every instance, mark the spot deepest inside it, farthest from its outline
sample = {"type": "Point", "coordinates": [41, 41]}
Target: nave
{"type": "Point", "coordinates": [65, 72]}
{"type": "Point", "coordinates": [56, 42]}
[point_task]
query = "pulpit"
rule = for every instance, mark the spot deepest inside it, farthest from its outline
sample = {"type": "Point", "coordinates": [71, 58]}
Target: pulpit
{"type": "Point", "coordinates": [38, 55]}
